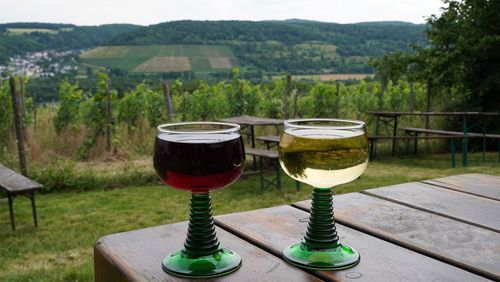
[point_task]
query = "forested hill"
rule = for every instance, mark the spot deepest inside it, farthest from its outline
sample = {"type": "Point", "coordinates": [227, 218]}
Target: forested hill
{"type": "Point", "coordinates": [19, 38]}
{"type": "Point", "coordinates": [296, 46]}
{"type": "Point", "coordinates": [360, 39]}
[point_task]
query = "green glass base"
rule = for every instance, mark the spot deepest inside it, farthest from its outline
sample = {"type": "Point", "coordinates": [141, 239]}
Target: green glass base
{"type": "Point", "coordinates": [220, 263]}
{"type": "Point", "coordinates": [339, 257]}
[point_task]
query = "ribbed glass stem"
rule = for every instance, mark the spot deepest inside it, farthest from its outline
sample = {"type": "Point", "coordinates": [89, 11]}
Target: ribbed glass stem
{"type": "Point", "coordinates": [201, 238]}
{"type": "Point", "coordinates": [321, 232]}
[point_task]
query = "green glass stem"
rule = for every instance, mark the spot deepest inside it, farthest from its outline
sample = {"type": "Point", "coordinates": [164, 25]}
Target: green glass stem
{"type": "Point", "coordinates": [201, 256]}
{"type": "Point", "coordinates": [201, 238]}
{"type": "Point", "coordinates": [320, 249]}
{"type": "Point", "coordinates": [321, 232]}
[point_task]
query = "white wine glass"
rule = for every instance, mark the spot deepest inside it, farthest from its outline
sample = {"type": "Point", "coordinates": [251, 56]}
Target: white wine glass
{"type": "Point", "coordinates": [323, 153]}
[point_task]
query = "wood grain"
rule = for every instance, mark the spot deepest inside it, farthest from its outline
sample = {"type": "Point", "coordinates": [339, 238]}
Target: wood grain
{"type": "Point", "coordinates": [483, 185]}
{"type": "Point", "coordinates": [463, 245]}
{"type": "Point", "coordinates": [137, 256]}
{"type": "Point", "coordinates": [456, 205]}
{"type": "Point", "coordinates": [275, 228]}
{"type": "Point", "coordinates": [16, 183]}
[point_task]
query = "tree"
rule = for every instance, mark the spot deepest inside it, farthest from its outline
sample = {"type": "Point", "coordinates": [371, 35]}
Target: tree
{"type": "Point", "coordinates": [466, 39]}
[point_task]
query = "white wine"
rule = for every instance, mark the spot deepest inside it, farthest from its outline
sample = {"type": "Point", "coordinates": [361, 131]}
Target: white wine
{"type": "Point", "coordinates": [324, 158]}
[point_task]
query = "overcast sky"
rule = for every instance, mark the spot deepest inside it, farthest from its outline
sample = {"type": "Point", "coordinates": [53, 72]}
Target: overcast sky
{"type": "Point", "coordinates": [146, 12]}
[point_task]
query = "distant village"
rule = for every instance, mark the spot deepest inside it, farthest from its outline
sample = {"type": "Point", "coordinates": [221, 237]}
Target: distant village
{"type": "Point", "coordinates": [40, 64]}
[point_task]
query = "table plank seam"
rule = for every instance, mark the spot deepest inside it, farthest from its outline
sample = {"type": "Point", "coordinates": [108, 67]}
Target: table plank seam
{"type": "Point", "coordinates": [265, 248]}
{"type": "Point", "coordinates": [417, 249]}
{"type": "Point", "coordinates": [437, 183]}
{"type": "Point", "coordinates": [430, 211]}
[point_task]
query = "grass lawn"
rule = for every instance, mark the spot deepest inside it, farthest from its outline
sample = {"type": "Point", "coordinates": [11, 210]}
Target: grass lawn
{"type": "Point", "coordinates": [61, 248]}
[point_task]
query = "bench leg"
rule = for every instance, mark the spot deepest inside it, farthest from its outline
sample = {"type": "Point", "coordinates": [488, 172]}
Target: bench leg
{"type": "Point", "coordinates": [452, 145]}
{"type": "Point", "coordinates": [464, 151]}
{"type": "Point", "coordinates": [261, 172]}
{"type": "Point", "coordinates": [33, 208]}
{"type": "Point", "coordinates": [415, 145]}
{"type": "Point", "coordinates": [278, 174]}
{"type": "Point", "coordinates": [394, 132]}
{"type": "Point", "coordinates": [11, 211]}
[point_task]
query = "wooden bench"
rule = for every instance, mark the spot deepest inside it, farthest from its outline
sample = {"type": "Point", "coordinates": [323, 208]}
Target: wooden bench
{"type": "Point", "coordinates": [271, 155]}
{"type": "Point", "coordinates": [270, 140]}
{"type": "Point", "coordinates": [464, 136]}
{"type": "Point", "coordinates": [16, 184]}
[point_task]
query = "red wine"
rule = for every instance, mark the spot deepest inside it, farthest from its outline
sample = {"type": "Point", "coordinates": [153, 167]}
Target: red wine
{"type": "Point", "coordinates": [199, 162]}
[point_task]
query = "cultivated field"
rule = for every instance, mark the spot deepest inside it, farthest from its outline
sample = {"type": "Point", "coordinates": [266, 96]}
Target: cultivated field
{"type": "Point", "coordinates": [162, 58]}
{"type": "Point", "coordinates": [31, 30]}
{"type": "Point", "coordinates": [329, 76]}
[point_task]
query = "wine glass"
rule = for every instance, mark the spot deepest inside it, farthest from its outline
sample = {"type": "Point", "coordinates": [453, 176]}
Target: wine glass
{"type": "Point", "coordinates": [323, 153]}
{"type": "Point", "coordinates": [200, 157]}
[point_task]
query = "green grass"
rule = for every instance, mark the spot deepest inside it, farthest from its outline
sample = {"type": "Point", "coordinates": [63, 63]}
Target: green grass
{"type": "Point", "coordinates": [130, 57]}
{"type": "Point", "coordinates": [60, 249]}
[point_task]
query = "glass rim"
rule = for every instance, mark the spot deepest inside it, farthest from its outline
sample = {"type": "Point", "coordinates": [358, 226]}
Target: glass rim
{"type": "Point", "coordinates": [233, 127]}
{"type": "Point", "coordinates": [357, 123]}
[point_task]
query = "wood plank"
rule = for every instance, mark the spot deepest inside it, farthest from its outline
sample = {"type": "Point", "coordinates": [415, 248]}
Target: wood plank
{"type": "Point", "coordinates": [271, 154]}
{"type": "Point", "coordinates": [251, 120]}
{"type": "Point", "coordinates": [137, 256]}
{"type": "Point", "coordinates": [478, 184]}
{"type": "Point", "coordinates": [466, 246]}
{"type": "Point", "coordinates": [15, 183]}
{"type": "Point", "coordinates": [275, 228]}
{"type": "Point", "coordinates": [467, 208]}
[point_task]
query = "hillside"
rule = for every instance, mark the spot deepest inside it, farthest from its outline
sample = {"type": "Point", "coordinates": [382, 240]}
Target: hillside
{"type": "Point", "coordinates": [19, 38]}
{"type": "Point", "coordinates": [162, 58]}
{"type": "Point", "coordinates": [296, 46]}
{"type": "Point", "coordinates": [263, 47]}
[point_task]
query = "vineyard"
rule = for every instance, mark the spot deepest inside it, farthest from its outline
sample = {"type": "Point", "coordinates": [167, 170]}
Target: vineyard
{"type": "Point", "coordinates": [162, 58]}
{"type": "Point", "coordinates": [84, 125]}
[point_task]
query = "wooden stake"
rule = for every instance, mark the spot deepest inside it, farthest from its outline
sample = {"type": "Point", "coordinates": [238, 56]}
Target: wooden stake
{"type": "Point", "coordinates": [288, 89]}
{"type": "Point", "coordinates": [168, 100]}
{"type": "Point", "coordinates": [18, 126]}
{"type": "Point", "coordinates": [108, 115]}
{"type": "Point", "coordinates": [295, 95]}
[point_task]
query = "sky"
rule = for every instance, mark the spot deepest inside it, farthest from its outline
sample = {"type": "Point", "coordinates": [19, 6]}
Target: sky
{"type": "Point", "coordinates": [147, 12]}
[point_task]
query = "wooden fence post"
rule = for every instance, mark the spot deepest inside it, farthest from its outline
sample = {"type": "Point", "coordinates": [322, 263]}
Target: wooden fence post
{"type": "Point", "coordinates": [34, 111]}
{"type": "Point", "coordinates": [184, 105]}
{"type": "Point", "coordinates": [337, 99]}
{"type": "Point", "coordinates": [22, 105]}
{"type": "Point", "coordinates": [295, 95]}
{"type": "Point", "coordinates": [428, 101]}
{"type": "Point", "coordinates": [288, 89]}
{"type": "Point", "coordinates": [18, 126]}
{"type": "Point", "coordinates": [108, 115]}
{"type": "Point", "coordinates": [168, 100]}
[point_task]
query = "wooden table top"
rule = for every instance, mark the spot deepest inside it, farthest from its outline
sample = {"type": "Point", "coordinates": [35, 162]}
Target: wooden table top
{"type": "Point", "coordinates": [16, 183]}
{"type": "Point", "coordinates": [445, 229]}
{"type": "Point", "coordinates": [251, 120]}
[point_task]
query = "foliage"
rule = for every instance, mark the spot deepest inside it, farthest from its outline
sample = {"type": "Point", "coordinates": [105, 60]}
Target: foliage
{"type": "Point", "coordinates": [69, 37]}
{"type": "Point", "coordinates": [70, 97]}
{"type": "Point", "coordinates": [461, 61]}
{"type": "Point", "coordinates": [6, 116]}
{"type": "Point", "coordinates": [95, 114]}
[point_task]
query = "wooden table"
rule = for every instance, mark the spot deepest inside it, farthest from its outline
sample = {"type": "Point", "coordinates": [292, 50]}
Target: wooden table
{"type": "Point", "coordinates": [15, 185]}
{"type": "Point", "coordinates": [390, 119]}
{"type": "Point", "coordinates": [248, 123]}
{"type": "Point", "coordinates": [446, 229]}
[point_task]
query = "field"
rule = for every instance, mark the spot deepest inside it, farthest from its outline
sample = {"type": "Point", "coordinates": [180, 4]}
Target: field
{"type": "Point", "coordinates": [162, 58]}
{"type": "Point", "coordinates": [330, 76]}
{"type": "Point", "coordinates": [31, 30]}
